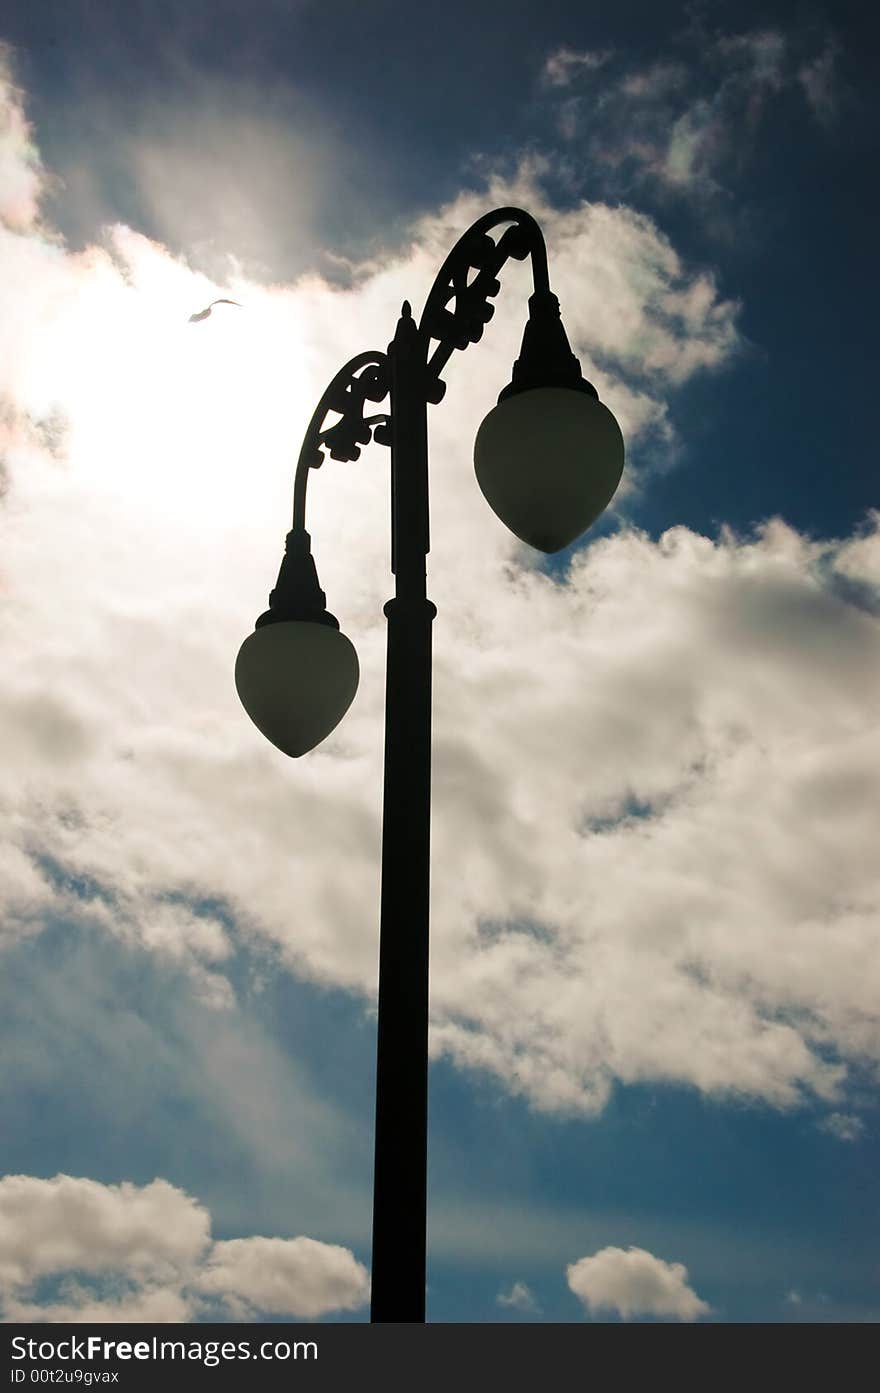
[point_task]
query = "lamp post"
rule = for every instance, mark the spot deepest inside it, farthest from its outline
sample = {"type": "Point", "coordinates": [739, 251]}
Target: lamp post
{"type": "Point", "coordinates": [548, 459]}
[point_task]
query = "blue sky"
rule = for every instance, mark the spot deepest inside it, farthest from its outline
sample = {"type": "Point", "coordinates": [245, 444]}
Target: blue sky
{"type": "Point", "coordinates": [655, 1034]}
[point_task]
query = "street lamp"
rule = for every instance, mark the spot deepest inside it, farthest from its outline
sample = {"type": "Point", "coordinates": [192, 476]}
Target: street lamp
{"type": "Point", "coordinates": [548, 459]}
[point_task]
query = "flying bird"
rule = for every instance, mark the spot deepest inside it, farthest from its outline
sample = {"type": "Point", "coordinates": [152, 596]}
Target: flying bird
{"type": "Point", "coordinates": [203, 314]}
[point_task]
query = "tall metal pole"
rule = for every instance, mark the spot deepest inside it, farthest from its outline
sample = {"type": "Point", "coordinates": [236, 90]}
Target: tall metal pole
{"type": "Point", "coordinates": [400, 1172]}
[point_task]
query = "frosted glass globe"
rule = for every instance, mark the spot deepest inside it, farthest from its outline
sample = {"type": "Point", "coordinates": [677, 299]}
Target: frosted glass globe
{"type": "Point", "coordinates": [548, 461]}
{"type": "Point", "coordinates": [296, 679]}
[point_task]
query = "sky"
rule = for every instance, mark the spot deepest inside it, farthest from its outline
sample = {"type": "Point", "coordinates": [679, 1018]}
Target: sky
{"type": "Point", "coordinates": [655, 1032]}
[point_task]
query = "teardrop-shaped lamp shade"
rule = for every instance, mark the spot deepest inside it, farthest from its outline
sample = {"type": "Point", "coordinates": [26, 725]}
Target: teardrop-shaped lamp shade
{"type": "Point", "coordinates": [548, 461]}
{"type": "Point", "coordinates": [296, 680]}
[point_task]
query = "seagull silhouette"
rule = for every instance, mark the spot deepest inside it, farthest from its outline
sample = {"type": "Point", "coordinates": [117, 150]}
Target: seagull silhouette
{"type": "Point", "coordinates": [203, 314]}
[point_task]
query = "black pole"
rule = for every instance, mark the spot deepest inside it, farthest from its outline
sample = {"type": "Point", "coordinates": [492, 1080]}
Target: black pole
{"type": "Point", "coordinates": [400, 1173]}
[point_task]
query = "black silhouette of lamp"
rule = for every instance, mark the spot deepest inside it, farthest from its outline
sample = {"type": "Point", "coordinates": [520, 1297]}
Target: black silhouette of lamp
{"type": "Point", "coordinates": [548, 459]}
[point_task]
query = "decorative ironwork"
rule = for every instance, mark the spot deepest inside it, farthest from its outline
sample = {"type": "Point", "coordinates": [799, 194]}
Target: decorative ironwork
{"type": "Point", "coordinates": [459, 323]}
{"type": "Point", "coordinates": [456, 312]}
{"type": "Point", "coordinates": [364, 378]}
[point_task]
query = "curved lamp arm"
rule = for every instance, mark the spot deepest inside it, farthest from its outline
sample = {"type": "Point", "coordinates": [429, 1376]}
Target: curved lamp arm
{"type": "Point", "coordinates": [476, 250]}
{"type": "Point", "coordinates": [347, 395]}
{"type": "Point", "coordinates": [367, 376]}
{"type": "Point", "coordinates": [456, 311]}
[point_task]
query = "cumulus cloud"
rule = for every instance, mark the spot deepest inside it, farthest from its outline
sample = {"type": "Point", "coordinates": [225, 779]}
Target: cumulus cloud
{"type": "Point", "coordinates": [705, 791]}
{"type": "Point", "coordinates": [293, 1276]}
{"type": "Point", "coordinates": [144, 1253]}
{"type": "Point", "coordinates": [632, 1282]}
{"type": "Point", "coordinates": [649, 775]}
{"type": "Point", "coordinates": [519, 1298]}
{"type": "Point", "coordinates": [70, 1224]}
{"type": "Point", "coordinates": [858, 559]}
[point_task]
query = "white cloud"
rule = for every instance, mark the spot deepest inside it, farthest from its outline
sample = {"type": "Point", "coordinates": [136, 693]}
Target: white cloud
{"type": "Point", "coordinates": [69, 1224]}
{"type": "Point", "coordinates": [818, 77]}
{"type": "Point", "coordinates": [650, 779]}
{"type": "Point", "coordinates": [23, 180]}
{"type": "Point", "coordinates": [293, 1276]}
{"type": "Point", "coordinates": [564, 64]}
{"type": "Point", "coordinates": [763, 52]}
{"type": "Point", "coordinates": [519, 1298]}
{"type": "Point", "coordinates": [859, 559]}
{"type": "Point", "coordinates": [843, 1125]}
{"type": "Point", "coordinates": [689, 120]}
{"type": "Point", "coordinates": [230, 180]}
{"type": "Point", "coordinates": [632, 1282]}
{"type": "Point", "coordinates": [144, 1253]}
{"type": "Point", "coordinates": [730, 920]}
{"type": "Point", "coordinates": [235, 174]}
{"type": "Point", "coordinates": [657, 80]}
{"type": "Point", "coordinates": [813, 1306]}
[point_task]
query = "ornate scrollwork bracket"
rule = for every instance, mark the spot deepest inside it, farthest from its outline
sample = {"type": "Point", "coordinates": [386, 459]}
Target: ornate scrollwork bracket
{"type": "Point", "coordinates": [456, 311]}
{"type": "Point", "coordinates": [364, 378]}
{"type": "Point", "coordinates": [457, 308]}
